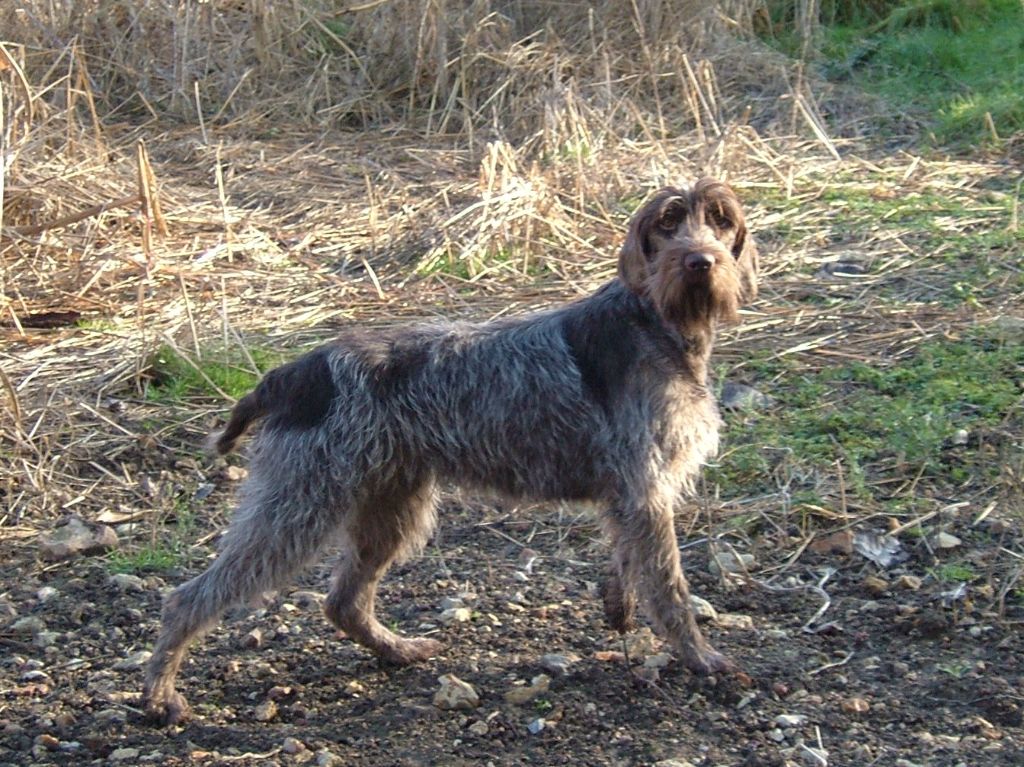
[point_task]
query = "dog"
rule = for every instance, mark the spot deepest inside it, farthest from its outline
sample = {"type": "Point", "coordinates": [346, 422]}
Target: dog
{"type": "Point", "coordinates": [603, 400]}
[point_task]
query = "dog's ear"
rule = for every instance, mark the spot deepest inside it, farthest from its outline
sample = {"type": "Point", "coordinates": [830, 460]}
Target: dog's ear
{"type": "Point", "coordinates": [722, 210]}
{"type": "Point", "coordinates": [749, 263]}
{"type": "Point", "coordinates": [664, 210]}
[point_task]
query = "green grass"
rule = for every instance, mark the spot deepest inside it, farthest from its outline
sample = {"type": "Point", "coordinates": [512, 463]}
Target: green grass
{"type": "Point", "coordinates": [174, 378]}
{"type": "Point", "coordinates": [166, 550]}
{"type": "Point", "coordinates": [948, 62]}
{"type": "Point", "coordinates": [896, 421]}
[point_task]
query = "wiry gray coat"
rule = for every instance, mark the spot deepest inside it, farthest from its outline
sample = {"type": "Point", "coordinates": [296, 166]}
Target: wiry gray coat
{"type": "Point", "coordinates": [603, 400]}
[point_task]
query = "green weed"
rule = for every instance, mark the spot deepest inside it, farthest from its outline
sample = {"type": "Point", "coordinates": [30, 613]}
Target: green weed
{"type": "Point", "coordinates": [175, 378]}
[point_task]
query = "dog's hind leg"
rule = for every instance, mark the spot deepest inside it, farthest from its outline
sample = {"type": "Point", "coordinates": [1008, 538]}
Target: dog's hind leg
{"type": "Point", "coordinates": [274, 532]}
{"type": "Point", "coordinates": [389, 525]}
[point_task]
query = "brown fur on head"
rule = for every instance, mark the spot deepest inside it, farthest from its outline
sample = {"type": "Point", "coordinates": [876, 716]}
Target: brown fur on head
{"type": "Point", "coordinates": [689, 252]}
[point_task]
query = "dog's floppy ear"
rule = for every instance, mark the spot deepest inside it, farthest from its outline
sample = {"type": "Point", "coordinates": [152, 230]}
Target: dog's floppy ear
{"type": "Point", "coordinates": [634, 257]}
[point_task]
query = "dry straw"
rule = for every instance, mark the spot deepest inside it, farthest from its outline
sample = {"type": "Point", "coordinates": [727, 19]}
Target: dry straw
{"type": "Point", "coordinates": [306, 167]}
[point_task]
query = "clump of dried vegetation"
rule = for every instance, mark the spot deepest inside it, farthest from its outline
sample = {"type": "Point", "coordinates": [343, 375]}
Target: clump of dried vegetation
{"type": "Point", "coordinates": [203, 186]}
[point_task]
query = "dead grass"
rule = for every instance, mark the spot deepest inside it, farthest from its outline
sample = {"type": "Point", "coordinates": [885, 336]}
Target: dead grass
{"type": "Point", "coordinates": [504, 158]}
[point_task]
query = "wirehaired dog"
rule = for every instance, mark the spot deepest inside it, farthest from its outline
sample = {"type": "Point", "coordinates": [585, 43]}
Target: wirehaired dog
{"type": "Point", "coordinates": [603, 400]}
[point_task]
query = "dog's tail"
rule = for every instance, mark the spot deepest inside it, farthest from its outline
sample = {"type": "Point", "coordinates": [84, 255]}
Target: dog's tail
{"type": "Point", "coordinates": [247, 410]}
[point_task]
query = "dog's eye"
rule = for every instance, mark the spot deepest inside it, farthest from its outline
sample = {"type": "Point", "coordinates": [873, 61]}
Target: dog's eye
{"type": "Point", "coordinates": [719, 220]}
{"type": "Point", "coordinates": [672, 213]}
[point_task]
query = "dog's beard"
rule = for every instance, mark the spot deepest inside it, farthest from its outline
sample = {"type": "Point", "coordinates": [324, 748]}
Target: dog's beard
{"type": "Point", "coordinates": [695, 301]}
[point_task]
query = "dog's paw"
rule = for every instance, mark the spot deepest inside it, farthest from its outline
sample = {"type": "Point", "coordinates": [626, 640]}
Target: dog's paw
{"type": "Point", "coordinates": [167, 709]}
{"type": "Point", "coordinates": [406, 651]}
{"type": "Point", "coordinates": [707, 660]}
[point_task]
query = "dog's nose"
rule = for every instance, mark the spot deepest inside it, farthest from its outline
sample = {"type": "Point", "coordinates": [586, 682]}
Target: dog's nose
{"type": "Point", "coordinates": [698, 262]}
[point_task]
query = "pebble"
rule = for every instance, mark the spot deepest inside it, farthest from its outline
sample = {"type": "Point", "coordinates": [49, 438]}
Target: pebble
{"type": "Point", "coordinates": [30, 624]}
{"type": "Point", "coordinates": [726, 561]}
{"type": "Point", "coordinates": [46, 638]}
{"type": "Point", "coordinates": [451, 603]}
{"type": "Point", "coordinates": [908, 582]}
{"type": "Point", "coordinates": [558, 664]}
{"type": "Point", "coordinates": [517, 696]}
{"type": "Point", "coordinates": [790, 720]}
{"type": "Point", "coordinates": [673, 763]}
{"type": "Point", "coordinates": [46, 593]}
{"type": "Point", "coordinates": [735, 621]}
{"type": "Point", "coordinates": [703, 609]}
{"type": "Point", "coordinates": [456, 615]}
{"type": "Point", "coordinates": [658, 660]}
{"type": "Point", "coordinates": [876, 585]}
{"type": "Point", "coordinates": [77, 538]}
{"type": "Point", "coordinates": [855, 706]}
{"type": "Point", "coordinates": [253, 639]}
{"type": "Point", "coordinates": [127, 582]}
{"type": "Point", "coordinates": [48, 742]}
{"type": "Point", "coordinates": [777, 735]}
{"type": "Point", "coordinates": [134, 661]}
{"type": "Point", "coordinates": [479, 728]}
{"type": "Point", "coordinates": [325, 758]}
{"type": "Point", "coordinates": [111, 717]}
{"type": "Point", "coordinates": [946, 541]}
{"type": "Point", "coordinates": [455, 695]}
{"type": "Point", "coordinates": [536, 726]}
{"type": "Point", "coordinates": [235, 473]}
{"type": "Point", "coordinates": [265, 711]}
{"type": "Point", "coordinates": [840, 542]}
{"type": "Point", "coordinates": [293, 746]}
{"type": "Point", "coordinates": [124, 755]}
{"type": "Point", "coordinates": [736, 396]}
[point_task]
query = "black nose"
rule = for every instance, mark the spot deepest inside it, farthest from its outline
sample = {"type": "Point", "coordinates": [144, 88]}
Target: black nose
{"type": "Point", "coordinates": [698, 262]}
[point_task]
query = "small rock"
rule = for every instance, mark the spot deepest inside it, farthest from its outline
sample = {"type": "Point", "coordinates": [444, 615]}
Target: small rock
{"type": "Point", "coordinates": [279, 692]}
{"type": "Point", "coordinates": [455, 695]}
{"type": "Point", "coordinates": [30, 624]}
{"type": "Point", "coordinates": [235, 473]}
{"type": "Point", "coordinates": [536, 726]}
{"type": "Point", "coordinates": [735, 621]}
{"type": "Point", "coordinates": [703, 609]}
{"type": "Point", "coordinates": [451, 603]}
{"type": "Point", "coordinates": [855, 706]}
{"type": "Point", "coordinates": [960, 437]}
{"type": "Point", "coordinates": [908, 582]}
{"type": "Point", "coordinates": [46, 638]}
{"type": "Point", "coordinates": [517, 696]}
{"type": "Point", "coordinates": [479, 728]}
{"type": "Point", "coordinates": [325, 758]}
{"type": "Point", "coordinates": [837, 543]}
{"type": "Point", "coordinates": [658, 660]}
{"type": "Point", "coordinates": [728, 562]}
{"type": "Point", "coordinates": [293, 746]}
{"type": "Point", "coordinates": [776, 734]}
{"type": "Point", "coordinates": [134, 661]}
{"type": "Point", "coordinates": [790, 720]}
{"type": "Point", "coordinates": [46, 593]}
{"type": "Point", "coordinates": [876, 585]}
{"type": "Point", "coordinates": [946, 541]}
{"type": "Point", "coordinates": [455, 615]}
{"type": "Point", "coordinates": [48, 742]}
{"type": "Point", "coordinates": [77, 538]}
{"type": "Point", "coordinates": [355, 687]}
{"type": "Point", "coordinates": [127, 582]}
{"type": "Point", "coordinates": [673, 763]}
{"type": "Point", "coordinates": [124, 755]}
{"type": "Point", "coordinates": [609, 656]}
{"type": "Point", "coordinates": [253, 639]}
{"type": "Point", "coordinates": [736, 396]}
{"type": "Point", "coordinates": [265, 711]}
{"type": "Point", "coordinates": [642, 643]}
{"type": "Point", "coordinates": [110, 718]}
{"type": "Point", "coordinates": [558, 664]}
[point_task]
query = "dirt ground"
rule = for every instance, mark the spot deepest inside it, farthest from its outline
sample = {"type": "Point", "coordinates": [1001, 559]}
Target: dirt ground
{"type": "Point", "coordinates": [905, 676]}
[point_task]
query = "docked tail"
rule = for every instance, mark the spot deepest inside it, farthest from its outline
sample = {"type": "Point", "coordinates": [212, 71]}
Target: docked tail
{"type": "Point", "coordinates": [247, 410]}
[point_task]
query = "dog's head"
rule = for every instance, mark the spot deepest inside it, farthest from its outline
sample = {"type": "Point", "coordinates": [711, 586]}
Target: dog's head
{"type": "Point", "coordinates": [688, 251]}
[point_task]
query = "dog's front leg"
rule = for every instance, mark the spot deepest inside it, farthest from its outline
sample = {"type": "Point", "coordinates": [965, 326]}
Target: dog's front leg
{"type": "Point", "coordinates": [654, 570]}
